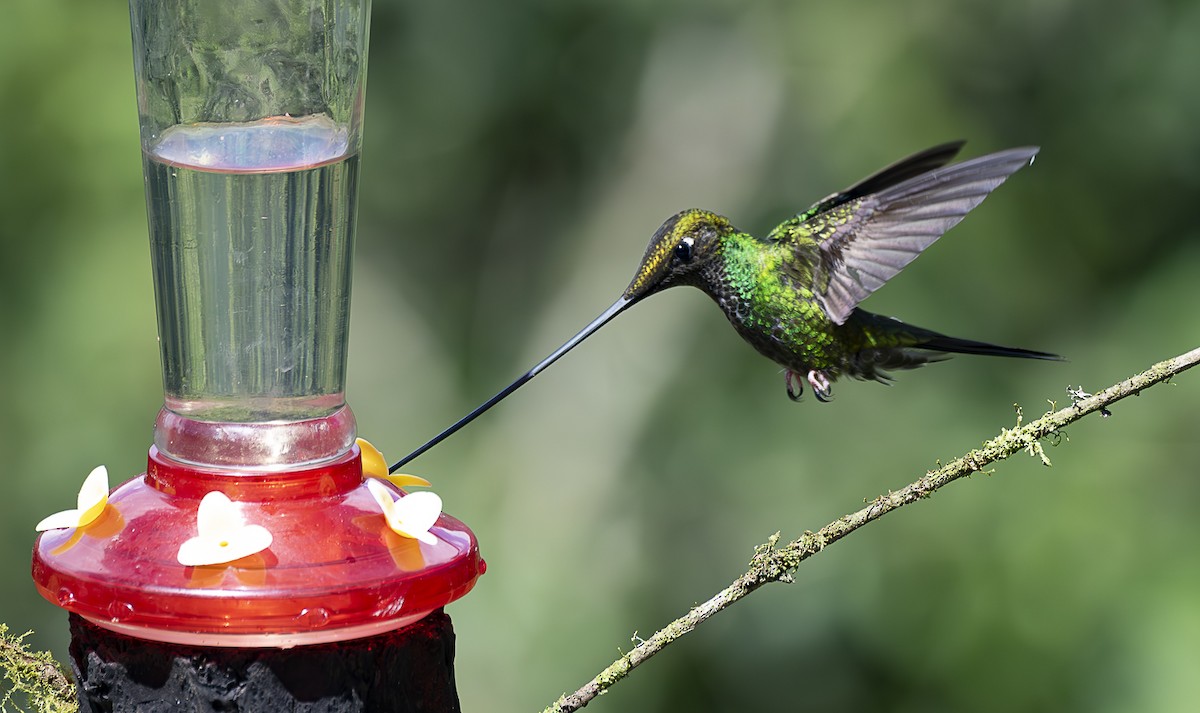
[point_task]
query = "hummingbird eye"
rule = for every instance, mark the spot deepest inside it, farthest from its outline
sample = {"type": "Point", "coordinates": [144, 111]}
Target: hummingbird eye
{"type": "Point", "coordinates": [683, 251]}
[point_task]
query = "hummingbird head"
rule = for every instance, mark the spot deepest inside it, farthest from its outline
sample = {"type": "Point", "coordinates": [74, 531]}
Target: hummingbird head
{"type": "Point", "coordinates": [680, 248]}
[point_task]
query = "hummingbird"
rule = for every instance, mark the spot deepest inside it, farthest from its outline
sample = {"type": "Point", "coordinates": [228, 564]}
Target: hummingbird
{"type": "Point", "coordinates": [794, 294]}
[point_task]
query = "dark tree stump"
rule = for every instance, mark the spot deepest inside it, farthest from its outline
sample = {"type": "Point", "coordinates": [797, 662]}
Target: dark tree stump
{"type": "Point", "coordinates": [403, 671]}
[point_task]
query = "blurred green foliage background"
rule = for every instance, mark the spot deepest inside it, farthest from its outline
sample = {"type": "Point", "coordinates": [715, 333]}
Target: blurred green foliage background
{"type": "Point", "coordinates": [517, 157]}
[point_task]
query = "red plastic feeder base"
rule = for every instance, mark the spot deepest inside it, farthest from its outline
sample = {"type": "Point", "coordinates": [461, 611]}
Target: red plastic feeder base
{"type": "Point", "coordinates": [334, 570]}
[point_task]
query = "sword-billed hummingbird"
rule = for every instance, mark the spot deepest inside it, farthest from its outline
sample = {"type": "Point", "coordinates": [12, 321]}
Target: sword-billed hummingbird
{"type": "Point", "coordinates": [794, 294]}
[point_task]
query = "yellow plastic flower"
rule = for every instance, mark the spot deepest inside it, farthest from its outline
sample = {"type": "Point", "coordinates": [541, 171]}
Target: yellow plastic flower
{"type": "Point", "coordinates": [223, 536]}
{"type": "Point", "coordinates": [93, 497]}
{"type": "Point", "coordinates": [374, 466]}
{"type": "Point", "coordinates": [412, 515]}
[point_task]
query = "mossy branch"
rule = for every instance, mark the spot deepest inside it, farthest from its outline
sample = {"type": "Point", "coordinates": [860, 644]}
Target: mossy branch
{"type": "Point", "coordinates": [36, 675]}
{"type": "Point", "coordinates": [772, 563]}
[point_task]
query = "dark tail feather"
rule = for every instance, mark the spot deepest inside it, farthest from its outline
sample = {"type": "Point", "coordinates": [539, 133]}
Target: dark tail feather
{"type": "Point", "coordinates": [942, 343]}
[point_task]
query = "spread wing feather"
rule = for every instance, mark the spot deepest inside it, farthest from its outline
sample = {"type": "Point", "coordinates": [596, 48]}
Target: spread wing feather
{"type": "Point", "coordinates": [905, 168]}
{"type": "Point", "coordinates": [852, 242]}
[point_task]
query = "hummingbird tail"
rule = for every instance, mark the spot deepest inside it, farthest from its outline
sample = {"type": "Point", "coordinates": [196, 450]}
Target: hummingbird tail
{"type": "Point", "coordinates": [954, 345]}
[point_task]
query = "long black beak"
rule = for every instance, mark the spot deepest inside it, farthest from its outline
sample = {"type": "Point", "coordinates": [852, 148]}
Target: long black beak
{"type": "Point", "coordinates": [616, 308]}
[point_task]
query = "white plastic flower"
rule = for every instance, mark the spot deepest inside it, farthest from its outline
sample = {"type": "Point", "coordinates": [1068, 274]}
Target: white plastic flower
{"type": "Point", "coordinates": [411, 515]}
{"type": "Point", "coordinates": [224, 535]}
{"type": "Point", "coordinates": [374, 466]}
{"type": "Point", "coordinates": [93, 497]}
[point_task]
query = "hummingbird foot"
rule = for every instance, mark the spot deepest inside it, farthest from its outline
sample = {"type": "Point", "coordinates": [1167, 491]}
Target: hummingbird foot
{"type": "Point", "coordinates": [795, 387]}
{"type": "Point", "coordinates": [821, 387]}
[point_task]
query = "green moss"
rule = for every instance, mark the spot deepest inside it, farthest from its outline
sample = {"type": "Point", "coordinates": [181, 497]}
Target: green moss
{"type": "Point", "coordinates": [35, 675]}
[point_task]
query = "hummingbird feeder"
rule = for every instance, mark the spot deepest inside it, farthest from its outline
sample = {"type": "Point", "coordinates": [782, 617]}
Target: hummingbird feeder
{"type": "Point", "coordinates": [255, 523]}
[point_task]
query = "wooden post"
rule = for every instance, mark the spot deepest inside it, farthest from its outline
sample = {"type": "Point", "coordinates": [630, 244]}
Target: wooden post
{"type": "Point", "coordinates": [409, 670]}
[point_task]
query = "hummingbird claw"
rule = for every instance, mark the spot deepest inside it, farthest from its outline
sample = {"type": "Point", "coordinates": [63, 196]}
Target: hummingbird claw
{"type": "Point", "coordinates": [795, 387]}
{"type": "Point", "coordinates": [821, 387]}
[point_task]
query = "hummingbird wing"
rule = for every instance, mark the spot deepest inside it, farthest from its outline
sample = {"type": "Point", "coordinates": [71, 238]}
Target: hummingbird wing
{"type": "Point", "coordinates": [905, 168]}
{"type": "Point", "coordinates": [849, 244]}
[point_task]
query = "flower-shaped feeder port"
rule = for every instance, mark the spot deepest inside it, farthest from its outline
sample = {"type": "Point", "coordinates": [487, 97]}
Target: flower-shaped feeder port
{"type": "Point", "coordinates": [375, 466]}
{"type": "Point", "coordinates": [412, 515]}
{"type": "Point", "coordinates": [224, 535]}
{"type": "Point", "coordinates": [93, 498]}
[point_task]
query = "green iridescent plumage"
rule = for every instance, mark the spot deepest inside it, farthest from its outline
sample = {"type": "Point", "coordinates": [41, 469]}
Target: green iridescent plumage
{"type": "Point", "coordinates": [794, 294]}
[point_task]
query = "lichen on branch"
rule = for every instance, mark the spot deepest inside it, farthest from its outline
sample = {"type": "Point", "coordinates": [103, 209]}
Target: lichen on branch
{"type": "Point", "coordinates": [36, 675]}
